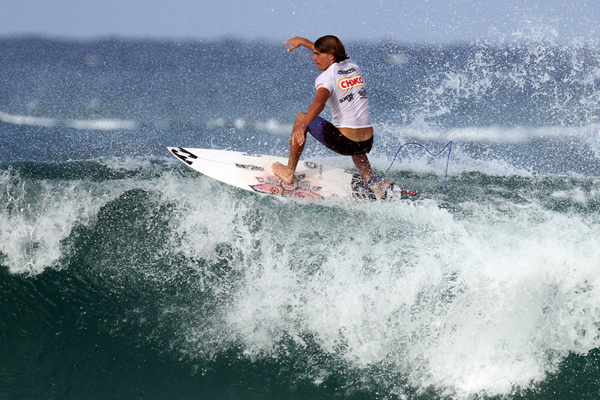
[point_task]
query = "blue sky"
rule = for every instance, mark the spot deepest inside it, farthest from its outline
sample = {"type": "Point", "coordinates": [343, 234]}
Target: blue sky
{"type": "Point", "coordinates": [432, 21]}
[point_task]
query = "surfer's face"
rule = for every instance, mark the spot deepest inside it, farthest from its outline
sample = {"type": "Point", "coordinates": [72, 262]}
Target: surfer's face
{"type": "Point", "coordinates": [323, 60]}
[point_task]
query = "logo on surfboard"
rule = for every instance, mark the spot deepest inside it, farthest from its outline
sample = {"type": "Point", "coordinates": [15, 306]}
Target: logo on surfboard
{"type": "Point", "coordinates": [184, 155]}
{"type": "Point", "coordinates": [300, 187]}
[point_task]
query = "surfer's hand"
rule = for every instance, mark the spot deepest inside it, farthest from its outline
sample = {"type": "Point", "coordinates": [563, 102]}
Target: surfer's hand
{"type": "Point", "coordinates": [297, 41]}
{"type": "Point", "coordinates": [298, 136]}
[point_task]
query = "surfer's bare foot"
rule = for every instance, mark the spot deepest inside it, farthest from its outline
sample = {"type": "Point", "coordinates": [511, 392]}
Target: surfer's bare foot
{"type": "Point", "coordinates": [283, 172]}
{"type": "Point", "coordinates": [380, 187]}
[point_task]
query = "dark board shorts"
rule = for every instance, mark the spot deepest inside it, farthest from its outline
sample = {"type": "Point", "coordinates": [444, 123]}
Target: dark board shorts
{"type": "Point", "coordinates": [330, 136]}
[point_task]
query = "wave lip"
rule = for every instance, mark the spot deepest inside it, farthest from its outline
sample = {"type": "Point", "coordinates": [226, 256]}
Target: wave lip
{"type": "Point", "coordinates": [27, 120]}
{"type": "Point", "coordinates": [498, 133]}
{"type": "Point", "coordinates": [101, 124]}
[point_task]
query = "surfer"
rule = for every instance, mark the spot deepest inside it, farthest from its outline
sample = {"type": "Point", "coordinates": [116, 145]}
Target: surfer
{"type": "Point", "coordinates": [341, 87]}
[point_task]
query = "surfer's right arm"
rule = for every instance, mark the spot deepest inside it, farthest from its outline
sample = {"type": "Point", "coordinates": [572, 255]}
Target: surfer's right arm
{"type": "Point", "coordinates": [318, 104]}
{"type": "Point", "coordinates": [297, 41]}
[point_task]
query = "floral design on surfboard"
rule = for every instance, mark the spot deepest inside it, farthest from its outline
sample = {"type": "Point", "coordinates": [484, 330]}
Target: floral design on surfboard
{"type": "Point", "coordinates": [300, 187]}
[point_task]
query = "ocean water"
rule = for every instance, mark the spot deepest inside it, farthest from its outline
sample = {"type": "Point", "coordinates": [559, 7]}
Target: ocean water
{"type": "Point", "coordinates": [125, 275]}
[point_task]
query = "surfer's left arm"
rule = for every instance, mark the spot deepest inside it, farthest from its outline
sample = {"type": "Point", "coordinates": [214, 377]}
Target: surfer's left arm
{"type": "Point", "coordinates": [317, 106]}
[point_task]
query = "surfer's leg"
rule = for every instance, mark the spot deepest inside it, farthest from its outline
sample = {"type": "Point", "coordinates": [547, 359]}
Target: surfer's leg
{"type": "Point", "coordinates": [379, 187]}
{"type": "Point", "coordinates": [361, 161]}
{"type": "Point", "coordinates": [286, 172]}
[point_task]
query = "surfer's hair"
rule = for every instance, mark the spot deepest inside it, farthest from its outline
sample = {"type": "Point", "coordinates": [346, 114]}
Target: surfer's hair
{"type": "Point", "coordinates": [331, 45]}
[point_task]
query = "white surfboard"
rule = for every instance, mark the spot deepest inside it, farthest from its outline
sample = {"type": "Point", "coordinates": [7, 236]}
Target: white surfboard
{"type": "Point", "coordinates": [253, 172]}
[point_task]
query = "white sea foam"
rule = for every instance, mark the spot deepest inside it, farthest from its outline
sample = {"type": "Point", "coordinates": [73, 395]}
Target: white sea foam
{"type": "Point", "coordinates": [467, 305]}
{"type": "Point", "coordinates": [37, 216]}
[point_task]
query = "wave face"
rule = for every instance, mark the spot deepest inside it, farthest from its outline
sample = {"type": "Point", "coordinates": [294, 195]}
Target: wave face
{"type": "Point", "coordinates": [126, 274]}
{"type": "Point", "coordinates": [201, 279]}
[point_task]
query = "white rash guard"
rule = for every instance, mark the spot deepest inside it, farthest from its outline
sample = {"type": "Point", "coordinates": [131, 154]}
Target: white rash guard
{"type": "Point", "coordinates": [348, 101]}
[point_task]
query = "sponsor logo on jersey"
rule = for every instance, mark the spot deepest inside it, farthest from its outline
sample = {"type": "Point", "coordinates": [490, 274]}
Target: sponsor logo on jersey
{"type": "Point", "coordinates": [348, 97]}
{"type": "Point", "coordinates": [351, 82]}
{"type": "Point", "coordinates": [362, 92]}
{"type": "Point", "coordinates": [346, 71]}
